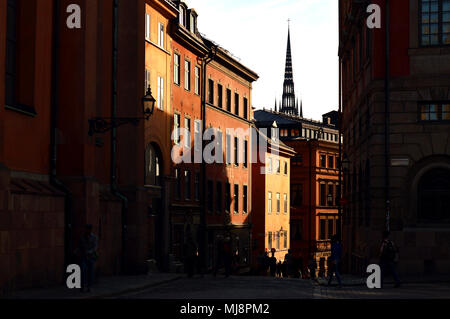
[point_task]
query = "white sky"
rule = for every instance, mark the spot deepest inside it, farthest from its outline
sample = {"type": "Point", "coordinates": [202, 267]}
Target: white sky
{"type": "Point", "coordinates": [255, 31]}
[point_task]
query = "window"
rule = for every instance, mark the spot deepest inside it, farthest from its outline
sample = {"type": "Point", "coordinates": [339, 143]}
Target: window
{"type": "Point", "coordinates": [244, 199]}
{"type": "Point", "coordinates": [210, 91]}
{"type": "Point", "coordinates": [433, 193]}
{"type": "Point", "coordinates": [330, 228]}
{"type": "Point", "coordinates": [285, 168]}
{"type": "Point", "coordinates": [269, 165]}
{"type": "Point", "coordinates": [176, 128]}
{"type": "Point", "coordinates": [245, 108]}
{"type": "Point", "coordinates": [278, 240]}
{"type": "Point", "coordinates": [322, 195]}
{"type": "Point", "coordinates": [147, 27]}
{"type": "Point", "coordinates": [278, 203]}
{"type": "Point", "coordinates": [236, 151]}
{"type": "Point", "coordinates": [197, 186]}
{"type": "Point", "coordinates": [236, 199]}
{"type": "Point", "coordinates": [176, 69]}
{"type": "Point", "coordinates": [330, 198]}
{"type": "Point", "coordinates": [177, 184]}
{"type": "Point", "coordinates": [435, 22]}
{"type": "Point", "coordinates": [152, 176]}
{"type": "Point", "coordinates": [160, 93]}
{"type": "Point", "coordinates": [210, 198]}
{"type": "Point", "coordinates": [285, 238]}
{"type": "Point", "coordinates": [228, 100]}
{"type": "Point", "coordinates": [322, 229]}
{"type": "Point", "coordinates": [245, 153]}
{"type": "Point", "coordinates": [330, 162]}
{"type": "Point", "coordinates": [275, 133]}
{"type": "Point", "coordinates": [192, 24]}
{"type": "Point", "coordinates": [182, 16]}
{"type": "Point", "coordinates": [20, 55]}
{"type": "Point", "coordinates": [269, 204]}
{"type": "Point", "coordinates": [197, 81]}
{"type": "Point", "coordinates": [285, 200]}
{"type": "Point", "coordinates": [435, 112]}
{"type": "Point", "coordinates": [219, 96]}
{"type": "Point", "coordinates": [187, 131]}
{"type": "Point", "coordinates": [323, 161]}
{"type": "Point", "coordinates": [219, 197]}
{"type": "Point", "coordinates": [187, 75]}
{"type": "Point", "coordinates": [297, 229]}
{"type": "Point", "coordinates": [161, 35]}
{"type": "Point", "coordinates": [228, 149]}
{"type": "Point", "coordinates": [197, 136]}
{"type": "Point", "coordinates": [236, 103]}
{"type": "Point", "coordinates": [146, 81]}
{"type": "Point", "coordinates": [187, 184]}
{"type": "Point", "coordinates": [227, 197]}
{"type": "Point", "coordinates": [277, 166]}
{"type": "Point", "coordinates": [269, 241]}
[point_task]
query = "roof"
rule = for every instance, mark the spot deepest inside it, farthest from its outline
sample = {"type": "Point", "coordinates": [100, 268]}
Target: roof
{"type": "Point", "coordinates": [267, 117]}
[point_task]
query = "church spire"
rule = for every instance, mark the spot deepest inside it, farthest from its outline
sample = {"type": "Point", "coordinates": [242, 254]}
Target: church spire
{"type": "Point", "coordinates": [288, 101]}
{"type": "Point", "coordinates": [301, 108]}
{"type": "Point", "coordinates": [276, 105]}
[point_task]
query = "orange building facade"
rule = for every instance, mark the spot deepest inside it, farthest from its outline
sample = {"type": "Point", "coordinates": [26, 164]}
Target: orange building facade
{"type": "Point", "coordinates": [271, 201]}
{"type": "Point", "coordinates": [314, 183]}
{"type": "Point", "coordinates": [191, 198]}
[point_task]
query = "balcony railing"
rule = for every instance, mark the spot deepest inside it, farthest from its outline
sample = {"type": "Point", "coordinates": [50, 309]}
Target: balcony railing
{"type": "Point", "coordinates": [324, 245]}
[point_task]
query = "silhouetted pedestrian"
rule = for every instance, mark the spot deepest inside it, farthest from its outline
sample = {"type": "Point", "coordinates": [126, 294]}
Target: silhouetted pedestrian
{"type": "Point", "coordinates": [335, 259]}
{"type": "Point", "coordinates": [388, 258]}
{"type": "Point", "coordinates": [227, 256]}
{"type": "Point", "coordinates": [190, 252]}
{"type": "Point", "coordinates": [88, 254]}
{"type": "Point", "coordinates": [266, 263]}
{"type": "Point", "coordinates": [273, 263]}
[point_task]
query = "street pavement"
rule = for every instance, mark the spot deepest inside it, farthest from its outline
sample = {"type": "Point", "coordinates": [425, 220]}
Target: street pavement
{"type": "Point", "coordinates": [178, 286]}
{"type": "Point", "coordinates": [242, 287]}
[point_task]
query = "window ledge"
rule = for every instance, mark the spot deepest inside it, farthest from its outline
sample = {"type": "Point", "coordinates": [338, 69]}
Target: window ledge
{"type": "Point", "coordinates": [24, 109]}
{"type": "Point", "coordinates": [431, 50]}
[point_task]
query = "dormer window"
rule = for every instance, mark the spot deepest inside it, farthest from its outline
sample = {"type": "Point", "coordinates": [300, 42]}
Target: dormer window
{"type": "Point", "coordinates": [192, 21]}
{"type": "Point", "coordinates": [182, 16]}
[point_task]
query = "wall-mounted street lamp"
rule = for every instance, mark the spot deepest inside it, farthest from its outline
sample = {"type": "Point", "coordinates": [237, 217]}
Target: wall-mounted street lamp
{"type": "Point", "coordinates": [345, 164]}
{"type": "Point", "coordinates": [330, 199]}
{"type": "Point", "coordinates": [105, 124]}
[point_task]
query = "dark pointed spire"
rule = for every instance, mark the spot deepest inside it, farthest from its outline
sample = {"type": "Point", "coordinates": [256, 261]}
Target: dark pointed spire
{"type": "Point", "coordinates": [288, 100]}
{"type": "Point", "coordinates": [275, 104]}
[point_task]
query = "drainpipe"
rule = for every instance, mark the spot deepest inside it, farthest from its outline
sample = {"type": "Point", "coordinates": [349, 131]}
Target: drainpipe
{"type": "Point", "coordinates": [387, 115]}
{"type": "Point", "coordinates": [68, 243]}
{"type": "Point", "coordinates": [203, 242]}
{"type": "Point", "coordinates": [114, 189]}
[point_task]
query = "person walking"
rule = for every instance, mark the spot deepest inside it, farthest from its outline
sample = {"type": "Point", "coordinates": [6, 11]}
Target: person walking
{"type": "Point", "coordinates": [88, 250]}
{"type": "Point", "coordinates": [389, 258]}
{"type": "Point", "coordinates": [266, 263]}
{"type": "Point", "coordinates": [190, 251]}
{"type": "Point", "coordinates": [227, 256]}
{"type": "Point", "coordinates": [335, 259]}
{"type": "Point", "coordinates": [273, 263]}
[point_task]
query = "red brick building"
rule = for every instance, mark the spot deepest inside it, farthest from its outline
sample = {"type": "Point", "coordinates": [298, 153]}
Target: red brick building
{"type": "Point", "coordinates": [396, 106]}
{"type": "Point", "coordinates": [55, 177]}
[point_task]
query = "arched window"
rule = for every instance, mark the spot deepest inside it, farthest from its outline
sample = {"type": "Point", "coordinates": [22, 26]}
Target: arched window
{"type": "Point", "coordinates": [153, 167]}
{"type": "Point", "coordinates": [434, 196]}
